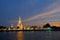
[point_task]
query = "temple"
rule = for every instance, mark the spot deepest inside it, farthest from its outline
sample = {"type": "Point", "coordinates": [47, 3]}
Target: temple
{"type": "Point", "coordinates": [20, 25]}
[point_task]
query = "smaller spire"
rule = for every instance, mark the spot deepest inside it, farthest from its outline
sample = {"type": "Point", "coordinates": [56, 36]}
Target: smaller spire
{"type": "Point", "coordinates": [11, 25]}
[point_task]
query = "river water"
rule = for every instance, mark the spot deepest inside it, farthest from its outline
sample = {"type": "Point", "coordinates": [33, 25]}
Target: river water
{"type": "Point", "coordinates": [30, 35]}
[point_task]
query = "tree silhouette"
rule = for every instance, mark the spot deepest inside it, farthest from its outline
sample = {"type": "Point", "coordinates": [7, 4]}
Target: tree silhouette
{"type": "Point", "coordinates": [47, 25]}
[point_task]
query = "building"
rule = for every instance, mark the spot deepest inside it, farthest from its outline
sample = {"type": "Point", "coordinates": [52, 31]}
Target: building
{"type": "Point", "coordinates": [20, 25]}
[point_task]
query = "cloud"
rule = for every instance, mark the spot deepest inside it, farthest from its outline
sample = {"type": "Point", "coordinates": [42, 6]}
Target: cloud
{"type": "Point", "coordinates": [44, 14]}
{"type": "Point", "coordinates": [54, 5]}
{"type": "Point", "coordinates": [50, 9]}
{"type": "Point", "coordinates": [53, 8]}
{"type": "Point", "coordinates": [54, 24]}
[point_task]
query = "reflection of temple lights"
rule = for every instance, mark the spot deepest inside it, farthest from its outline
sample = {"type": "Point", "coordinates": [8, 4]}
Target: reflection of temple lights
{"type": "Point", "coordinates": [20, 35]}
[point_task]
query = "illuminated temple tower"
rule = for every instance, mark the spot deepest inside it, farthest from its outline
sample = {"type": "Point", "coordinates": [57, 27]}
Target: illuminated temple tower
{"type": "Point", "coordinates": [20, 25]}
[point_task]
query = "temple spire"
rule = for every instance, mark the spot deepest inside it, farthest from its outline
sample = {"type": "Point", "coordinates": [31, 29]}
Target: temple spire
{"type": "Point", "coordinates": [12, 25]}
{"type": "Point", "coordinates": [20, 25]}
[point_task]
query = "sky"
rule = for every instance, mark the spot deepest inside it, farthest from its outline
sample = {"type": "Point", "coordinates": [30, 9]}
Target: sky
{"type": "Point", "coordinates": [32, 12]}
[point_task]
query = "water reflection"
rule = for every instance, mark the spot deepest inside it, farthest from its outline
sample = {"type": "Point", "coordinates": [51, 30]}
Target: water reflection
{"type": "Point", "coordinates": [29, 35]}
{"type": "Point", "coordinates": [19, 35]}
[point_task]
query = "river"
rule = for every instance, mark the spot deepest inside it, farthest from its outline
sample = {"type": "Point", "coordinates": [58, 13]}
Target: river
{"type": "Point", "coordinates": [30, 35]}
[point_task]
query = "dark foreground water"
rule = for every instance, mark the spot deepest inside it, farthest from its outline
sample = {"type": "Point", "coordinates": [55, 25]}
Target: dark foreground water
{"type": "Point", "coordinates": [30, 35]}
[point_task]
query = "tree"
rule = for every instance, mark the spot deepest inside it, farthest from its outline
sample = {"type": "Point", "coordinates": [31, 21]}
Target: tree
{"type": "Point", "coordinates": [47, 25]}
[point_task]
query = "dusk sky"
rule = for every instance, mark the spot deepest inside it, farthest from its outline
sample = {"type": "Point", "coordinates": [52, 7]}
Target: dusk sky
{"type": "Point", "coordinates": [32, 12]}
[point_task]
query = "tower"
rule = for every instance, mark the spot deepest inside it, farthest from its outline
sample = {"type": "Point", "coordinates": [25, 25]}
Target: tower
{"type": "Point", "coordinates": [12, 25]}
{"type": "Point", "coordinates": [20, 25]}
